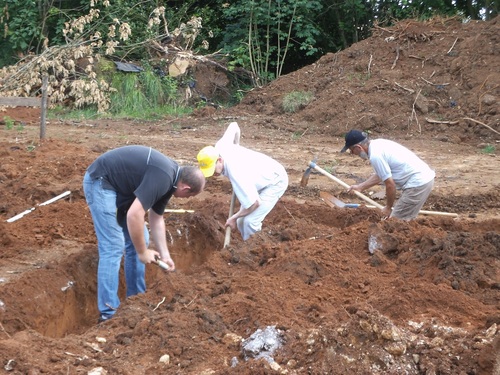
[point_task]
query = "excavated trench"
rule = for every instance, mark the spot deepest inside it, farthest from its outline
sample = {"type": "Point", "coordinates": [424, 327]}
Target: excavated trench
{"type": "Point", "coordinates": [59, 298]}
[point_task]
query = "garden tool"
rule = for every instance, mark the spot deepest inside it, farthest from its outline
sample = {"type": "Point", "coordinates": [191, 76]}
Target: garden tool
{"type": "Point", "coordinates": [227, 239]}
{"type": "Point", "coordinates": [305, 177]}
{"type": "Point", "coordinates": [367, 199]}
{"type": "Point", "coordinates": [161, 263]}
{"type": "Point", "coordinates": [333, 201]}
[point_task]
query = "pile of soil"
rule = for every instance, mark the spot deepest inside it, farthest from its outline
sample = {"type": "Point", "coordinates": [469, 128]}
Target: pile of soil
{"type": "Point", "coordinates": [321, 290]}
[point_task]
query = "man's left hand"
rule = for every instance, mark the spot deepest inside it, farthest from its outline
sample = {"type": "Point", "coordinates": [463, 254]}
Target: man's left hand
{"type": "Point", "coordinates": [386, 212]}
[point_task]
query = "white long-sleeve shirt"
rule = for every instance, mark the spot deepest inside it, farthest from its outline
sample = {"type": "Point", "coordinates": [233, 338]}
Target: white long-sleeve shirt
{"type": "Point", "coordinates": [249, 171]}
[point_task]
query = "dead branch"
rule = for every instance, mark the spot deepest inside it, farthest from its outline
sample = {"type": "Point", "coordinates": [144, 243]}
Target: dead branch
{"type": "Point", "coordinates": [432, 121]}
{"type": "Point", "coordinates": [397, 57]}
{"type": "Point", "coordinates": [418, 58]}
{"type": "Point", "coordinates": [369, 64]}
{"type": "Point", "coordinates": [455, 42]}
{"type": "Point", "coordinates": [3, 330]}
{"type": "Point", "coordinates": [289, 213]}
{"type": "Point", "coordinates": [481, 123]}
{"type": "Point", "coordinates": [413, 112]}
{"type": "Point", "coordinates": [159, 303]}
{"type": "Point", "coordinates": [433, 84]}
{"type": "Point", "coordinates": [404, 88]}
{"type": "Point", "coordinates": [384, 29]}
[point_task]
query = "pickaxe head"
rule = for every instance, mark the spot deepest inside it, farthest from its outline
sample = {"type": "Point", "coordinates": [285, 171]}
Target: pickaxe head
{"type": "Point", "coordinates": [305, 178]}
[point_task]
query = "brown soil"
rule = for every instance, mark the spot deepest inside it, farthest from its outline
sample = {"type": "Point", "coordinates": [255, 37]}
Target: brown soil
{"type": "Point", "coordinates": [426, 302]}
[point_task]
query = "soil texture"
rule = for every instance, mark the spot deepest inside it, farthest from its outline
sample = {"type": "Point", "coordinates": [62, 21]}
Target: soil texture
{"type": "Point", "coordinates": [321, 290]}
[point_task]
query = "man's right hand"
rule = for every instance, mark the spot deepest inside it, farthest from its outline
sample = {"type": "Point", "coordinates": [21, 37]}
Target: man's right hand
{"type": "Point", "coordinates": [148, 256]}
{"type": "Point", "coordinates": [353, 188]}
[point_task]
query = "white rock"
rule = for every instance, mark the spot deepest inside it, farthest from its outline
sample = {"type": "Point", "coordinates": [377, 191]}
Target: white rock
{"type": "Point", "coordinates": [165, 358]}
{"type": "Point", "coordinates": [97, 371]}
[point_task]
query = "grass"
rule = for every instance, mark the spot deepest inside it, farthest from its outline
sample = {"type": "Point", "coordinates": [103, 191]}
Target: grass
{"type": "Point", "coordinates": [296, 100]}
{"type": "Point", "coordinates": [143, 96]}
{"type": "Point", "coordinates": [9, 123]}
{"type": "Point", "coordinates": [489, 149]}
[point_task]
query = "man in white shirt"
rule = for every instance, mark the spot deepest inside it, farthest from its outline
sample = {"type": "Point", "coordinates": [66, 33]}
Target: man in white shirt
{"type": "Point", "coordinates": [399, 169]}
{"type": "Point", "coordinates": [257, 180]}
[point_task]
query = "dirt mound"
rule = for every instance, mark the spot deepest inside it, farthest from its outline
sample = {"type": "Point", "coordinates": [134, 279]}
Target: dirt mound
{"type": "Point", "coordinates": [394, 82]}
{"type": "Point", "coordinates": [343, 291]}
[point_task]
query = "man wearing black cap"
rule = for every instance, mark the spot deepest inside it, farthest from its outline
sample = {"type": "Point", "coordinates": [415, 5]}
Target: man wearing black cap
{"type": "Point", "coordinates": [399, 169]}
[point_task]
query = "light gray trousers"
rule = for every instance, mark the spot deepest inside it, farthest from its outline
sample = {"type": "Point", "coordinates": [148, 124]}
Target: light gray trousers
{"type": "Point", "coordinates": [269, 196]}
{"type": "Point", "coordinates": [411, 201]}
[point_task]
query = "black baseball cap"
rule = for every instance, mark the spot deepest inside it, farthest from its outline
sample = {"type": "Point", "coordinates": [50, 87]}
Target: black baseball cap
{"type": "Point", "coordinates": [352, 138]}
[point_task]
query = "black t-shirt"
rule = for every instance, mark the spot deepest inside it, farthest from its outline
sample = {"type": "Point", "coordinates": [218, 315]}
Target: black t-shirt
{"type": "Point", "coordinates": [137, 172]}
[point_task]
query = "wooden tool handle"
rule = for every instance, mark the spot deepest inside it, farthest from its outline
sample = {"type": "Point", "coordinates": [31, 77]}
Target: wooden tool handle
{"type": "Point", "coordinates": [365, 198]}
{"type": "Point", "coordinates": [227, 239]}
{"type": "Point", "coordinates": [359, 194]}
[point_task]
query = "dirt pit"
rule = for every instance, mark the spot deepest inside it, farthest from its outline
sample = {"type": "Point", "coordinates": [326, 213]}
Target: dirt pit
{"type": "Point", "coordinates": [427, 301]}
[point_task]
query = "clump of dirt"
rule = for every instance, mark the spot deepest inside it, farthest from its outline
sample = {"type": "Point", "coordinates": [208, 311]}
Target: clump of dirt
{"type": "Point", "coordinates": [345, 291]}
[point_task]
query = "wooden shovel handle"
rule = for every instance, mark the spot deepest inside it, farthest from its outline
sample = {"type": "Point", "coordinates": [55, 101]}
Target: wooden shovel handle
{"type": "Point", "coordinates": [359, 194]}
{"type": "Point", "coordinates": [365, 198]}
{"type": "Point", "coordinates": [227, 239]}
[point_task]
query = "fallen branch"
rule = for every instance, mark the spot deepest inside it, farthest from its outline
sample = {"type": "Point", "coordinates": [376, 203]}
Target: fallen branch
{"type": "Point", "coordinates": [159, 303]}
{"type": "Point", "coordinates": [404, 88]}
{"type": "Point", "coordinates": [397, 57]}
{"type": "Point", "coordinates": [413, 112]}
{"type": "Point", "coordinates": [434, 84]}
{"type": "Point", "coordinates": [369, 64]}
{"type": "Point", "coordinates": [455, 42]}
{"type": "Point", "coordinates": [418, 58]}
{"type": "Point", "coordinates": [432, 121]}
{"type": "Point", "coordinates": [481, 123]}
{"type": "Point", "coordinates": [3, 330]}
{"type": "Point", "coordinates": [289, 213]}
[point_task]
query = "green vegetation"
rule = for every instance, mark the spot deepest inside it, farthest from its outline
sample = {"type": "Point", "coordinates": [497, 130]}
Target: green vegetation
{"type": "Point", "coordinates": [9, 123]}
{"type": "Point", "coordinates": [143, 96]}
{"type": "Point", "coordinates": [296, 100]}
{"type": "Point", "coordinates": [257, 40]}
{"type": "Point", "coordinates": [489, 149]}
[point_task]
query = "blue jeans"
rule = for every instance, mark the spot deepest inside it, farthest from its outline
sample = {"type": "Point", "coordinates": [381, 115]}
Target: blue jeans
{"type": "Point", "coordinates": [112, 239]}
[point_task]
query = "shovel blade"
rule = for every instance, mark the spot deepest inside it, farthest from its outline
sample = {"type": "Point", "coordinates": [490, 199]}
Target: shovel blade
{"type": "Point", "coordinates": [331, 200]}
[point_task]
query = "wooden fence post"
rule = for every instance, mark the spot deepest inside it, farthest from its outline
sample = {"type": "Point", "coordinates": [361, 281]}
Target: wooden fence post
{"type": "Point", "coordinates": [43, 108]}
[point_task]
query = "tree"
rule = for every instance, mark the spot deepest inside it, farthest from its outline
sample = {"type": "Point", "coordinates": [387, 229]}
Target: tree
{"type": "Point", "coordinates": [261, 34]}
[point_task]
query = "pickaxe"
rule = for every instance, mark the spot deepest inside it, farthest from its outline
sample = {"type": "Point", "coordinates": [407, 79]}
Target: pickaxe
{"type": "Point", "coordinates": [312, 165]}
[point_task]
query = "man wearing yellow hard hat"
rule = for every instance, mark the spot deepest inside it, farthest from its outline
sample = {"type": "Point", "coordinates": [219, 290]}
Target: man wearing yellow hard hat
{"type": "Point", "coordinates": [258, 180]}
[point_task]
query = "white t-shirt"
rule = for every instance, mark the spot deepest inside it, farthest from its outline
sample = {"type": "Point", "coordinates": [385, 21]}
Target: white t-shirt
{"type": "Point", "coordinates": [249, 171]}
{"type": "Point", "coordinates": [390, 159]}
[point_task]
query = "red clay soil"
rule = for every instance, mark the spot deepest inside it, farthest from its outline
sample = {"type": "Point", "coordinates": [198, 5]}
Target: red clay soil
{"type": "Point", "coordinates": [427, 301]}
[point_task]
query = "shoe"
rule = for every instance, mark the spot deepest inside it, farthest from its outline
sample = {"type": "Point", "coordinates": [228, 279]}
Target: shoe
{"type": "Point", "coordinates": [103, 318]}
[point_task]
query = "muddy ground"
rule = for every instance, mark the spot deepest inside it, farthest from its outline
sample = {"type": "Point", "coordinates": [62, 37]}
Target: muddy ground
{"type": "Point", "coordinates": [426, 302]}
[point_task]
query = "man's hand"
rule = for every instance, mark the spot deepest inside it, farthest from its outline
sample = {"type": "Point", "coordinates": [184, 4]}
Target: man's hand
{"type": "Point", "coordinates": [167, 264]}
{"type": "Point", "coordinates": [353, 188]}
{"type": "Point", "coordinates": [148, 256]}
{"type": "Point", "coordinates": [386, 212]}
{"type": "Point", "coordinates": [231, 222]}
{"type": "Point", "coordinates": [151, 256]}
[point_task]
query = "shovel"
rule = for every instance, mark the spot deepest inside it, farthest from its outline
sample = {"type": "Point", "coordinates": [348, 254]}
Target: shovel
{"type": "Point", "coordinates": [367, 199]}
{"type": "Point", "coordinates": [333, 201]}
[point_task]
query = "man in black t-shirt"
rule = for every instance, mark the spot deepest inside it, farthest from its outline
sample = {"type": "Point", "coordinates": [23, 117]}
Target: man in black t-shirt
{"type": "Point", "coordinates": [120, 186]}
